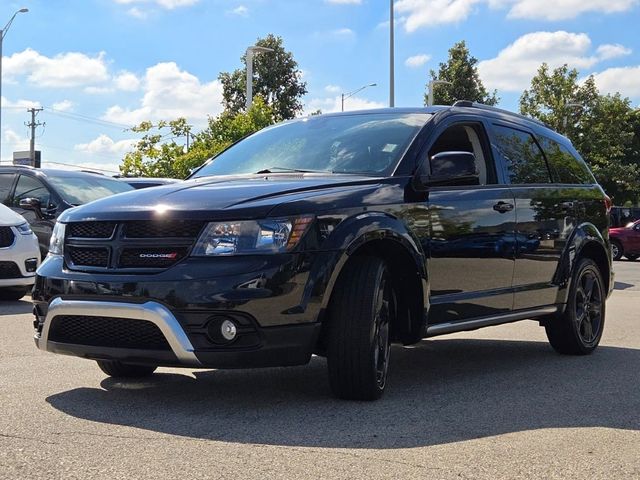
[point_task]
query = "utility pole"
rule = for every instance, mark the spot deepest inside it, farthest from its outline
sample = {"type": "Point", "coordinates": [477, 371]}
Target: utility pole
{"type": "Point", "coordinates": [392, 86]}
{"type": "Point", "coordinates": [33, 124]}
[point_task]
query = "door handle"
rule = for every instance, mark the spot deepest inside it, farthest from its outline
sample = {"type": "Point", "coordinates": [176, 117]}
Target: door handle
{"type": "Point", "coordinates": [503, 207]}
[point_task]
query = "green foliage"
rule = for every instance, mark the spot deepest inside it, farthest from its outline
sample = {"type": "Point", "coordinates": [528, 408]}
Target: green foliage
{"type": "Point", "coordinates": [461, 69]}
{"type": "Point", "coordinates": [605, 129]}
{"type": "Point", "coordinates": [276, 78]}
{"type": "Point", "coordinates": [155, 156]}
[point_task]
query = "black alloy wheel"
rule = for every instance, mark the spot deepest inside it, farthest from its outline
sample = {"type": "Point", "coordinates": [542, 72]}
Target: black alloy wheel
{"type": "Point", "coordinates": [579, 329]}
{"type": "Point", "coordinates": [360, 316]}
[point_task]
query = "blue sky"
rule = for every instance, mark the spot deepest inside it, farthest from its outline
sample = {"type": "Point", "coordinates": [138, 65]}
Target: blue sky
{"type": "Point", "coordinates": [99, 66]}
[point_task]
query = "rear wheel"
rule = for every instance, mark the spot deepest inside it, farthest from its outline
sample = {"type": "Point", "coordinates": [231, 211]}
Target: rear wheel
{"type": "Point", "coordinates": [633, 257]}
{"type": "Point", "coordinates": [579, 329]}
{"type": "Point", "coordinates": [115, 368]}
{"type": "Point", "coordinates": [359, 341]}
{"type": "Point", "coordinates": [616, 250]}
{"type": "Point", "coordinates": [13, 293]}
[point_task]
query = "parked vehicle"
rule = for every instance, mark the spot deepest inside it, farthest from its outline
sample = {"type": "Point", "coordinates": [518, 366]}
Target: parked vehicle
{"type": "Point", "coordinates": [146, 182]}
{"type": "Point", "coordinates": [336, 235]}
{"type": "Point", "coordinates": [625, 241]}
{"type": "Point", "coordinates": [41, 195]}
{"type": "Point", "coordinates": [19, 255]}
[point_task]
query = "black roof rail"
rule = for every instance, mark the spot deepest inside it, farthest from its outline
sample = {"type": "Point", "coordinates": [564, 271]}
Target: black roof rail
{"type": "Point", "coordinates": [470, 104]}
{"type": "Point", "coordinates": [29, 167]}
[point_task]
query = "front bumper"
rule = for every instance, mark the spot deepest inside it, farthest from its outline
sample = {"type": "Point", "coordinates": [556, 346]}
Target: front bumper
{"type": "Point", "coordinates": [24, 251]}
{"type": "Point", "coordinates": [275, 300]}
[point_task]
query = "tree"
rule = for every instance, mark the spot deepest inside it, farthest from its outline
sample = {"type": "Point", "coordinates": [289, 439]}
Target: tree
{"type": "Point", "coordinates": [155, 156]}
{"type": "Point", "coordinates": [461, 69]}
{"type": "Point", "coordinates": [605, 129]}
{"type": "Point", "coordinates": [276, 78]}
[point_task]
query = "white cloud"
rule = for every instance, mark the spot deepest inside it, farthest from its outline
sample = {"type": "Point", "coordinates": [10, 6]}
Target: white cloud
{"type": "Point", "coordinates": [334, 104]}
{"type": "Point", "coordinates": [63, 106]}
{"type": "Point", "coordinates": [343, 32]}
{"type": "Point", "coordinates": [97, 90]}
{"type": "Point", "coordinates": [18, 142]}
{"type": "Point", "coordinates": [516, 64]}
{"type": "Point", "coordinates": [427, 13]}
{"type": "Point", "coordinates": [344, 2]}
{"type": "Point", "coordinates": [19, 104]}
{"type": "Point", "coordinates": [332, 89]}
{"type": "Point", "coordinates": [104, 144]}
{"type": "Point", "coordinates": [170, 93]}
{"type": "Point", "coordinates": [127, 81]}
{"type": "Point", "coordinates": [608, 51]}
{"type": "Point", "coordinates": [71, 69]}
{"type": "Point", "coordinates": [625, 80]}
{"type": "Point", "coordinates": [167, 4]}
{"type": "Point", "coordinates": [240, 10]}
{"type": "Point", "coordinates": [565, 9]}
{"type": "Point", "coordinates": [417, 61]}
{"type": "Point", "coordinates": [138, 13]}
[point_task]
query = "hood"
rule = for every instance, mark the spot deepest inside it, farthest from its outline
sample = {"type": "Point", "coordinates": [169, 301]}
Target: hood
{"type": "Point", "coordinates": [238, 197]}
{"type": "Point", "coordinates": [9, 218]}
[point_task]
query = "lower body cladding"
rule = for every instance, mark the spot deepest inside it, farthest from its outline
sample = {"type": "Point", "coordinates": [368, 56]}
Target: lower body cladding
{"type": "Point", "coordinates": [169, 319]}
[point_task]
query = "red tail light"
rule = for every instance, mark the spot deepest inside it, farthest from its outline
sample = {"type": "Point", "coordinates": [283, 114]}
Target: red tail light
{"type": "Point", "coordinates": [608, 203]}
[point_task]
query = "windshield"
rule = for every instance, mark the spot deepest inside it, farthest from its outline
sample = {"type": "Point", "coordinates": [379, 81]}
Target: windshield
{"type": "Point", "coordinates": [81, 190]}
{"type": "Point", "coordinates": [362, 143]}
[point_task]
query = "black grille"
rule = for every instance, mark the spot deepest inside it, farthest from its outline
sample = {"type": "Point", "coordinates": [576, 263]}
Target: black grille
{"type": "Point", "coordinates": [107, 332]}
{"type": "Point", "coordinates": [6, 237]}
{"type": "Point", "coordinates": [9, 270]}
{"type": "Point", "coordinates": [168, 229]}
{"type": "Point", "coordinates": [89, 257]}
{"type": "Point", "coordinates": [151, 257]}
{"type": "Point", "coordinates": [91, 229]}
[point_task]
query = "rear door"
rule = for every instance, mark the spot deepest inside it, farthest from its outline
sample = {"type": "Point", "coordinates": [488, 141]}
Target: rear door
{"type": "Point", "coordinates": [545, 216]}
{"type": "Point", "coordinates": [471, 233]}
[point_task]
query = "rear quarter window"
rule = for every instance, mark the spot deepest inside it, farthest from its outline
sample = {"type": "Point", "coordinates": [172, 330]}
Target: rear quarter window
{"type": "Point", "coordinates": [6, 181]}
{"type": "Point", "coordinates": [565, 167]}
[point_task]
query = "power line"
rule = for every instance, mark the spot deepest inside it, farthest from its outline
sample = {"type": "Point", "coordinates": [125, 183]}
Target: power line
{"type": "Point", "coordinates": [87, 119]}
{"type": "Point", "coordinates": [80, 167]}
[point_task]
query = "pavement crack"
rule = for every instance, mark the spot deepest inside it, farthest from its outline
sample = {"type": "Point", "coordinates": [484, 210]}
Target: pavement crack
{"type": "Point", "coordinates": [20, 437]}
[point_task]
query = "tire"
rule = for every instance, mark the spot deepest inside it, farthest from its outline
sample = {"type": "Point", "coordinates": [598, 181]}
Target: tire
{"type": "Point", "coordinates": [117, 369]}
{"type": "Point", "coordinates": [633, 257]}
{"type": "Point", "coordinates": [616, 250]}
{"type": "Point", "coordinates": [13, 294]}
{"type": "Point", "coordinates": [359, 324]}
{"type": "Point", "coordinates": [579, 329]}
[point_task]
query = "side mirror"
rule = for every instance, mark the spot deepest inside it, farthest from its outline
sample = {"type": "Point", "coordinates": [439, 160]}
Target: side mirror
{"type": "Point", "coordinates": [451, 168]}
{"type": "Point", "coordinates": [32, 204]}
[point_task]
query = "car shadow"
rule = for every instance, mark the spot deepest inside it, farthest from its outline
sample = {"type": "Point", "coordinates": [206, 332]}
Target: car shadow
{"type": "Point", "coordinates": [622, 285]}
{"type": "Point", "coordinates": [16, 307]}
{"type": "Point", "coordinates": [440, 391]}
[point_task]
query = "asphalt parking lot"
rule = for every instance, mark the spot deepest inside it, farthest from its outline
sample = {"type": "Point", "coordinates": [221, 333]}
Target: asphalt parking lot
{"type": "Point", "coordinates": [495, 403]}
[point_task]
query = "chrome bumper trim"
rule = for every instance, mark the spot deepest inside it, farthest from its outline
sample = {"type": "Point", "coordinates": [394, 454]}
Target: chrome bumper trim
{"type": "Point", "coordinates": [150, 311]}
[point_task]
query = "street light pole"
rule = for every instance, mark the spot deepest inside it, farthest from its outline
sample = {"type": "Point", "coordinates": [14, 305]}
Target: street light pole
{"type": "Point", "coordinates": [3, 32]}
{"type": "Point", "coordinates": [392, 86]}
{"type": "Point", "coordinates": [432, 84]}
{"type": "Point", "coordinates": [566, 114]}
{"type": "Point", "coordinates": [351, 94]}
{"type": "Point", "coordinates": [249, 61]}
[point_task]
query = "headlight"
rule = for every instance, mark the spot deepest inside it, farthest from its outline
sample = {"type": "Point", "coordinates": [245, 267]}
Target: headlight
{"type": "Point", "coordinates": [251, 237]}
{"type": "Point", "coordinates": [57, 239]}
{"type": "Point", "coordinates": [24, 229]}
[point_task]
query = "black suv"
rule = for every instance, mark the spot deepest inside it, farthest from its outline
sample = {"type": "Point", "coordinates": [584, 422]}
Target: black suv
{"type": "Point", "coordinates": [336, 235]}
{"type": "Point", "coordinates": [41, 195]}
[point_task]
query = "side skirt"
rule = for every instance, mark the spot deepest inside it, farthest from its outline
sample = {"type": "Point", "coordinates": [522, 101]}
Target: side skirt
{"type": "Point", "coordinates": [476, 323]}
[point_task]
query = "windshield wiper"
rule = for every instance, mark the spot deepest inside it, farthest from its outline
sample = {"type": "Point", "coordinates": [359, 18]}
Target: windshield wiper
{"type": "Point", "coordinates": [295, 170]}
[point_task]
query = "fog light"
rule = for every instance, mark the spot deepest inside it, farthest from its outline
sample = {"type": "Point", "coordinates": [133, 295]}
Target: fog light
{"type": "Point", "coordinates": [228, 330]}
{"type": "Point", "coordinates": [31, 264]}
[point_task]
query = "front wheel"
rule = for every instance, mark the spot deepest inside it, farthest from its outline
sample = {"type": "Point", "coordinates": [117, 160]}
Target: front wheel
{"type": "Point", "coordinates": [579, 329]}
{"type": "Point", "coordinates": [359, 341]}
{"type": "Point", "coordinates": [616, 250]}
{"type": "Point", "coordinates": [117, 369]}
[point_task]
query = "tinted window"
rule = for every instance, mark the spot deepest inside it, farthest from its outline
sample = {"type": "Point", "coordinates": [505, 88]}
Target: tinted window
{"type": "Point", "coordinates": [564, 166]}
{"type": "Point", "coordinates": [361, 143]}
{"type": "Point", "coordinates": [524, 159]}
{"type": "Point", "coordinates": [6, 180]}
{"type": "Point", "coordinates": [78, 190]}
{"type": "Point", "coordinates": [29, 187]}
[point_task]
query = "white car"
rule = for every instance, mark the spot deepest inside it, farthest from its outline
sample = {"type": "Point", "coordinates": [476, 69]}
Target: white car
{"type": "Point", "coordinates": [19, 255]}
